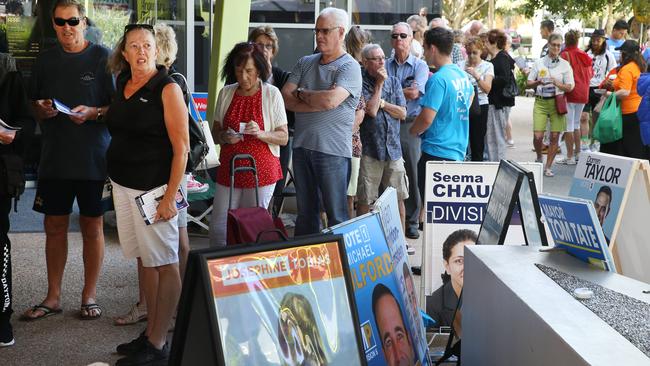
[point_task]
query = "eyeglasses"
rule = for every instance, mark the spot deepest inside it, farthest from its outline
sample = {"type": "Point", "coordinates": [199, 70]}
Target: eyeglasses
{"type": "Point", "coordinates": [555, 45]}
{"type": "Point", "coordinates": [267, 46]}
{"type": "Point", "coordinates": [325, 31]}
{"type": "Point", "coordinates": [400, 35]}
{"type": "Point", "coordinates": [130, 27]}
{"type": "Point", "coordinates": [73, 22]}
{"type": "Point", "coordinates": [375, 59]}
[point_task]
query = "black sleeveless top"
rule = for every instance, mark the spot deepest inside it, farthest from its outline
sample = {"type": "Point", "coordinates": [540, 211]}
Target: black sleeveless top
{"type": "Point", "coordinates": [140, 153]}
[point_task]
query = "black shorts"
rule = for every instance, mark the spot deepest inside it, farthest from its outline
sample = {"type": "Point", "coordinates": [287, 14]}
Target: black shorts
{"type": "Point", "coordinates": [55, 197]}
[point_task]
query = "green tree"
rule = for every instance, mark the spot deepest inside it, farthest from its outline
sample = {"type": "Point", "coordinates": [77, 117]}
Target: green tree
{"type": "Point", "coordinates": [608, 10]}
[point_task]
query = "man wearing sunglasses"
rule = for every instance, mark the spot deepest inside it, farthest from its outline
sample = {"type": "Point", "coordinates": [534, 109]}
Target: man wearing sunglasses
{"type": "Point", "coordinates": [412, 73]}
{"type": "Point", "coordinates": [73, 151]}
{"type": "Point", "coordinates": [323, 90]}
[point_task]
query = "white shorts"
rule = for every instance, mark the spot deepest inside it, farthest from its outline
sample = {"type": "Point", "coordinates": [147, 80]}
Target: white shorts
{"type": "Point", "coordinates": [157, 244]}
{"type": "Point", "coordinates": [574, 111]}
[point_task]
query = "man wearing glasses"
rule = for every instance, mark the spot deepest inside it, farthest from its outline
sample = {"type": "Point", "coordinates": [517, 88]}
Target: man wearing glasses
{"type": "Point", "coordinates": [323, 91]}
{"type": "Point", "coordinates": [412, 74]}
{"type": "Point", "coordinates": [73, 152]}
{"type": "Point", "coordinates": [381, 160]}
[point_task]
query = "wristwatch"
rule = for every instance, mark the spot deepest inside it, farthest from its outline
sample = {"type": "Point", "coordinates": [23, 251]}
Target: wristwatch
{"type": "Point", "coordinates": [99, 114]}
{"type": "Point", "coordinates": [382, 103]}
{"type": "Point", "coordinates": [298, 91]}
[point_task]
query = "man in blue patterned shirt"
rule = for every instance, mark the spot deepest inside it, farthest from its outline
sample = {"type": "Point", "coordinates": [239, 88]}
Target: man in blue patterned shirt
{"type": "Point", "coordinates": [381, 160]}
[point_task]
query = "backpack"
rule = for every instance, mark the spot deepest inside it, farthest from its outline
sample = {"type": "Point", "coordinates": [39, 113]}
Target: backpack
{"type": "Point", "coordinates": [198, 145]}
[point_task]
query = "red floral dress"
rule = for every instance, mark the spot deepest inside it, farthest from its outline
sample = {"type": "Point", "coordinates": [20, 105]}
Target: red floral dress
{"type": "Point", "coordinates": [244, 109]}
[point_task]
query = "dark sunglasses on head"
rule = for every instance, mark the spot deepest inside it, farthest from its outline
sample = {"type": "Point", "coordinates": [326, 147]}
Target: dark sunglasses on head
{"type": "Point", "coordinates": [73, 22]}
{"type": "Point", "coordinates": [130, 27]}
{"type": "Point", "coordinates": [400, 35]}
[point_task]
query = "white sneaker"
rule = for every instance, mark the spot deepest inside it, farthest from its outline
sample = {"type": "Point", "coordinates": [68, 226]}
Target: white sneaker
{"type": "Point", "coordinates": [567, 161]}
{"type": "Point", "coordinates": [584, 147]}
{"type": "Point", "coordinates": [559, 158]}
{"type": "Point", "coordinates": [194, 186]}
{"type": "Point", "coordinates": [595, 147]}
{"type": "Point", "coordinates": [510, 143]}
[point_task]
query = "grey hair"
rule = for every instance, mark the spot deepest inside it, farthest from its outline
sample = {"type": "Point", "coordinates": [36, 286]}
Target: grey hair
{"type": "Point", "coordinates": [340, 16]}
{"type": "Point", "coordinates": [440, 23]}
{"type": "Point", "coordinates": [554, 37]}
{"type": "Point", "coordinates": [419, 20]}
{"type": "Point", "coordinates": [403, 24]}
{"type": "Point", "coordinates": [365, 51]}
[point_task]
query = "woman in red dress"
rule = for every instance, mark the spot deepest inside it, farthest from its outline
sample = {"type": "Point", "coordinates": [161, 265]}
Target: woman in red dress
{"type": "Point", "coordinates": [249, 119]}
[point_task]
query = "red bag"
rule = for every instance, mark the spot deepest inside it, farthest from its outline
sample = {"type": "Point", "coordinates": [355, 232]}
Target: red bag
{"type": "Point", "coordinates": [560, 104]}
{"type": "Point", "coordinates": [250, 224]}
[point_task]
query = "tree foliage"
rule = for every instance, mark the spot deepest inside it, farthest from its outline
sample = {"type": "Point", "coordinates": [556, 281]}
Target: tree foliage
{"type": "Point", "coordinates": [576, 8]}
{"type": "Point", "coordinates": [459, 12]}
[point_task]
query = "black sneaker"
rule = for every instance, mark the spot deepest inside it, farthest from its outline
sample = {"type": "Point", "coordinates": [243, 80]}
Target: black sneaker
{"type": "Point", "coordinates": [149, 355]}
{"type": "Point", "coordinates": [6, 335]}
{"type": "Point", "coordinates": [127, 349]}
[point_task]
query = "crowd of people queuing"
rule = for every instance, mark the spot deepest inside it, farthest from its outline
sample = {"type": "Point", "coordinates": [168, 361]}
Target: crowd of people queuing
{"type": "Point", "coordinates": [351, 120]}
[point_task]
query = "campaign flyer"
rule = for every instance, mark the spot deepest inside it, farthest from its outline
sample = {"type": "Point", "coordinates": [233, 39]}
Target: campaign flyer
{"type": "Point", "coordinates": [574, 226]}
{"type": "Point", "coordinates": [284, 307]}
{"type": "Point", "coordinates": [603, 179]}
{"type": "Point", "coordinates": [382, 311]}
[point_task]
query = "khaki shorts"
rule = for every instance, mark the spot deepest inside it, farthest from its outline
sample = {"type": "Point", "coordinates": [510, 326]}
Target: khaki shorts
{"type": "Point", "coordinates": [374, 174]}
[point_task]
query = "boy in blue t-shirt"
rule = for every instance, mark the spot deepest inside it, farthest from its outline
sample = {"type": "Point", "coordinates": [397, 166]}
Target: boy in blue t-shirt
{"type": "Point", "coordinates": [443, 123]}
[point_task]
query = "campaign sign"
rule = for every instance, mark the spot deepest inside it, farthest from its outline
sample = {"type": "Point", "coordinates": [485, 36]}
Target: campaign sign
{"type": "Point", "coordinates": [200, 100]}
{"type": "Point", "coordinates": [456, 196]}
{"type": "Point", "coordinates": [529, 211]}
{"type": "Point", "coordinates": [382, 310]}
{"type": "Point", "coordinates": [574, 226]}
{"type": "Point", "coordinates": [502, 203]}
{"type": "Point", "coordinates": [387, 208]}
{"type": "Point", "coordinates": [284, 303]}
{"type": "Point", "coordinates": [603, 179]}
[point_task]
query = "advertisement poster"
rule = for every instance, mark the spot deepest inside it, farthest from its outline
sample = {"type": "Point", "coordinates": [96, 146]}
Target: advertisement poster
{"type": "Point", "coordinates": [284, 307]}
{"type": "Point", "coordinates": [456, 196]}
{"type": "Point", "coordinates": [387, 208]}
{"type": "Point", "coordinates": [200, 100]}
{"type": "Point", "coordinates": [574, 226]}
{"type": "Point", "coordinates": [381, 308]}
{"type": "Point", "coordinates": [603, 179]}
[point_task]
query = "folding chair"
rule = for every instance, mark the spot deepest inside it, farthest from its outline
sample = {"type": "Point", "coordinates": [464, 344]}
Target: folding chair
{"type": "Point", "coordinates": [194, 197]}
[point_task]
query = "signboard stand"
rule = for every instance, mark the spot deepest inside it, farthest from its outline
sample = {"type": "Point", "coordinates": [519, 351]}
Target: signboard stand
{"type": "Point", "coordinates": [273, 303]}
{"type": "Point", "coordinates": [619, 187]}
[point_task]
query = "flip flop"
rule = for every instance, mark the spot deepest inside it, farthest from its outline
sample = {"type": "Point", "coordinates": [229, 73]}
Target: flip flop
{"type": "Point", "coordinates": [88, 308]}
{"type": "Point", "coordinates": [47, 311]}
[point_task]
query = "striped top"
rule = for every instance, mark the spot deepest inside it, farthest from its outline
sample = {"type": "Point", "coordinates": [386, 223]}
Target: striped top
{"type": "Point", "coordinates": [330, 131]}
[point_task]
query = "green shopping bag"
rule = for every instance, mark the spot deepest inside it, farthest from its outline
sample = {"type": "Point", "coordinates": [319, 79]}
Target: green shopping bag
{"type": "Point", "coordinates": [609, 126]}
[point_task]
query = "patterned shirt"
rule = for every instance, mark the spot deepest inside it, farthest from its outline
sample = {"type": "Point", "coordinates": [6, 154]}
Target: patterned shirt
{"type": "Point", "coordinates": [356, 135]}
{"type": "Point", "coordinates": [380, 135]}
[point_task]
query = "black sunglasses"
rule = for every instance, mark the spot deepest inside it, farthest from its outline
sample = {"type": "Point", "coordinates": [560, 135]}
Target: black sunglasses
{"type": "Point", "coordinates": [73, 22]}
{"type": "Point", "coordinates": [130, 27]}
{"type": "Point", "coordinates": [400, 35]}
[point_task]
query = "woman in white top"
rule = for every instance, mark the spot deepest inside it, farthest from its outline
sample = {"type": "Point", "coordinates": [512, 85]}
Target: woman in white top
{"type": "Point", "coordinates": [550, 76]}
{"type": "Point", "coordinates": [481, 74]}
{"type": "Point", "coordinates": [603, 62]}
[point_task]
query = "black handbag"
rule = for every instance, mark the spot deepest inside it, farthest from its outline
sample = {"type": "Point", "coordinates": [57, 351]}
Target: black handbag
{"type": "Point", "coordinates": [511, 89]}
{"type": "Point", "coordinates": [198, 145]}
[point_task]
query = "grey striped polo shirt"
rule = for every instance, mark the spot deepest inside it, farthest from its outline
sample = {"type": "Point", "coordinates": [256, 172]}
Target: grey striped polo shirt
{"type": "Point", "coordinates": [330, 131]}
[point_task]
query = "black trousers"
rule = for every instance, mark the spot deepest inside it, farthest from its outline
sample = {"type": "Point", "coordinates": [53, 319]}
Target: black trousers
{"type": "Point", "coordinates": [477, 129]}
{"type": "Point", "coordinates": [630, 145]}
{"type": "Point", "coordinates": [5, 262]}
